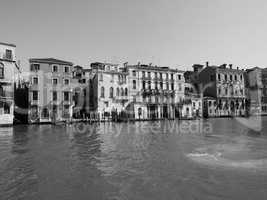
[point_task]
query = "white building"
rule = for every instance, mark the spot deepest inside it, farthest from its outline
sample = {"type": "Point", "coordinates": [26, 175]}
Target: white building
{"type": "Point", "coordinates": [109, 89]}
{"type": "Point", "coordinates": [8, 76]}
{"type": "Point", "coordinates": [155, 92]}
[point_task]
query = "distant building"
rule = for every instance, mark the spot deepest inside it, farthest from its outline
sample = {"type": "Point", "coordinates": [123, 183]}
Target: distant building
{"type": "Point", "coordinates": [51, 90]}
{"type": "Point", "coordinates": [108, 89]}
{"type": "Point", "coordinates": [227, 86]}
{"type": "Point", "coordinates": [8, 76]}
{"type": "Point", "coordinates": [82, 92]}
{"type": "Point", "coordinates": [257, 90]}
{"type": "Point", "coordinates": [155, 92]}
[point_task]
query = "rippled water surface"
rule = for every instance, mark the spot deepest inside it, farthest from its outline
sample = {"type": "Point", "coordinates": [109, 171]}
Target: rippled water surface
{"type": "Point", "coordinates": [212, 159]}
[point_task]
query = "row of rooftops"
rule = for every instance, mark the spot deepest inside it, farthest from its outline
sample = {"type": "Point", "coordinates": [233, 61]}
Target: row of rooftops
{"type": "Point", "coordinates": [139, 66]}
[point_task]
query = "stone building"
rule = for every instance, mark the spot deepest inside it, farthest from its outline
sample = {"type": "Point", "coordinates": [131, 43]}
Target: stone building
{"type": "Point", "coordinates": [9, 71]}
{"type": "Point", "coordinates": [155, 92]}
{"type": "Point", "coordinates": [51, 90]}
{"type": "Point", "coordinates": [81, 93]}
{"type": "Point", "coordinates": [108, 89]}
{"type": "Point", "coordinates": [227, 86]}
{"type": "Point", "coordinates": [256, 79]}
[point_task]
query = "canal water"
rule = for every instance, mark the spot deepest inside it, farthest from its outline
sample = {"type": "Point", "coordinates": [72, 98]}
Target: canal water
{"type": "Point", "coordinates": [204, 159]}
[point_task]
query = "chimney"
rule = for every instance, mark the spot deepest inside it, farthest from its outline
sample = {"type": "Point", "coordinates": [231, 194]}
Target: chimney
{"type": "Point", "coordinates": [125, 64]}
{"type": "Point", "coordinates": [207, 64]}
{"type": "Point", "coordinates": [231, 66]}
{"type": "Point", "coordinates": [237, 68]}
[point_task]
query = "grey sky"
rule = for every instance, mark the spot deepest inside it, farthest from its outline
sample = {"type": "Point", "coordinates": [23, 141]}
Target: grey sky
{"type": "Point", "coordinates": [170, 33]}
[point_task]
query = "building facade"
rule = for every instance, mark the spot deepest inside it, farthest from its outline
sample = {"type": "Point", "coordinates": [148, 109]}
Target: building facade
{"type": "Point", "coordinates": [50, 90]}
{"type": "Point", "coordinates": [155, 92]}
{"type": "Point", "coordinates": [8, 77]}
{"type": "Point", "coordinates": [227, 86]}
{"type": "Point", "coordinates": [108, 90]}
{"type": "Point", "coordinates": [257, 90]}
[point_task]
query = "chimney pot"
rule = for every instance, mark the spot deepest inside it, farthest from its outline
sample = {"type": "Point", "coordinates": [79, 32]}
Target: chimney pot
{"type": "Point", "coordinates": [207, 64]}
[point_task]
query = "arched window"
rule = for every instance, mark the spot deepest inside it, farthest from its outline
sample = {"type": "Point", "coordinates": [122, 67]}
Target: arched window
{"type": "Point", "coordinates": [118, 92]}
{"type": "Point", "coordinates": [134, 84]}
{"type": "Point", "coordinates": [122, 93]}
{"type": "Point", "coordinates": [111, 92]}
{"type": "Point", "coordinates": [1, 70]}
{"type": "Point", "coordinates": [126, 92]}
{"type": "Point", "coordinates": [102, 92]}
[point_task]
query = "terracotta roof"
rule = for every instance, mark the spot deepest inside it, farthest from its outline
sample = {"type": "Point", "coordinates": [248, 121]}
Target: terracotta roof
{"type": "Point", "coordinates": [50, 61]}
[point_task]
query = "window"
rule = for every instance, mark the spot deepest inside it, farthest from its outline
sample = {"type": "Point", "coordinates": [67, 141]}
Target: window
{"type": "Point", "coordinates": [161, 85]}
{"type": "Point", "coordinates": [54, 81]}
{"type": "Point", "coordinates": [55, 68]}
{"type": "Point", "coordinates": [66, 69]}
{"type": "Point", "coordinates": [172, 86]}
{"type": "Point", "coordinates": [219, 91]}
{"type": "Point", "coordinates": [143, 74]}
{"type": "Point", "coordinates": [54, 96]}
{"type": "Point", "coordinates": [209, 103]}
{"type": "Point", "coordinates": [126, 92]}
{"type": "Point", "coordinates": [112, 78]}
{"type": "Point", "coordinates": [35, 80]}
{"type": "Point", "coordinates": [160, 75]}
{"type": "Point", "coordinates": [225, 77]}
{"type": "Point", "coordinates": [45, 113]}
{"type": "Point", "coordinates": [156, 74]}
{"type": "Point", "coordinates": [34, 95]}
{"type": "Point", "coordinates": [219, 77]}
{"type": "Point", "coordinates": [144, 85]}
{"type": "Point", "coordinates": [66, 96]}
{"type": "Point", "coordinates": [122, 92]}
{"type": "Point", "coordinates": [9, 54]}
{"type": "Point", "coordinates": [66, 81]}
{"type": "Point", "coordinates": [171, 76]}
{"type": "Point", "coordinates": [241, 77]}
{"type": "Point", "coordinates": [54, 109]}
{"type": "Point", "coordinates": [156, 85]}
{"type": "Point", "coordinates": [102, 92]}
{"type": "Point", "coordinates": [1, 70]}
{"type": "Point", "coordinates": [111, 92]}
{"type": "Point", "coordinates": [66, 113]}
{"type": "Point", "coordinates": [149, 74]}
{"type": "Point", "coordinates": [167, 76]}
{"type": "Point", "coordinates": [226, 91]}
{"type": "Point", "coordinates": [180, 87]}
{"type": "Point", "coordinates": [134, 84]}
{"type": "Point", "coordinates": [134, 73]}
{"type": "Point", "coordinates": [235, 77]}
{"type": "Point", "coordinates": [149, 85]}
{"type": "Point", "coordinates": [100, 77]}
{"type": "Point", "coordinates": [167, 86]}
{"type": "Point", "coordinates": [35, 67]}
{"type": "Point", "coordinates": [231, 77]}
{"type": "Point", "coordinates": [179, 77]}
{"type": "Point", "coordinates": [118, 92]}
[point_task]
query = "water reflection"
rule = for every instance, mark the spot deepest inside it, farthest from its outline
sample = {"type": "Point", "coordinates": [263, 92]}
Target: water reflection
{"type": "Point", "coordinates": [142, 160]}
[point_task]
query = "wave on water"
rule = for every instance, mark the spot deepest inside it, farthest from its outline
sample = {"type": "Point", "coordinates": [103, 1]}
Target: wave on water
{"type": "Point", "coordinates": [217, 160]}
